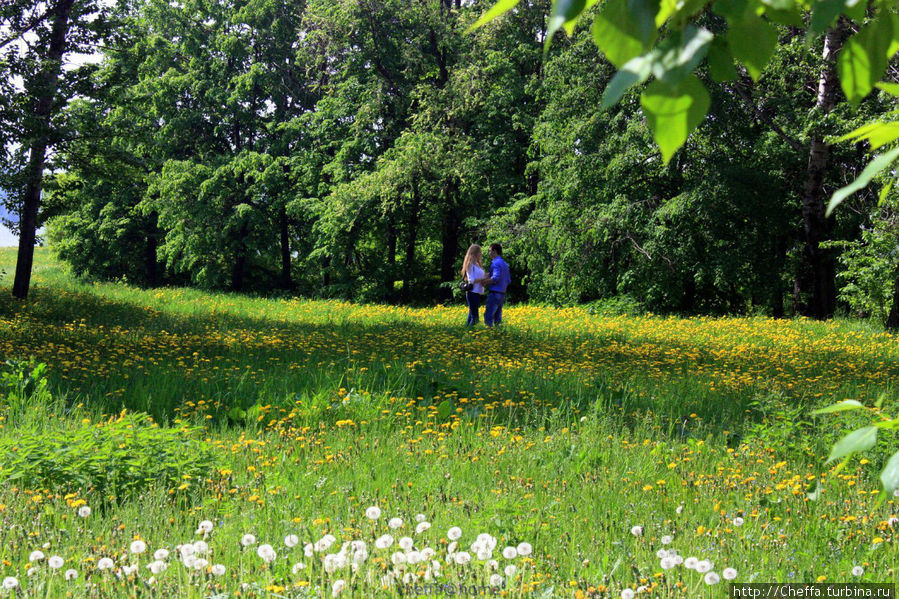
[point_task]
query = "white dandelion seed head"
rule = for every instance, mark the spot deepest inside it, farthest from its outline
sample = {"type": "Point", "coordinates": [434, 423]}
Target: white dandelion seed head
{"type": "Point", "coordinates": [680, 509]}
{"type": "Point", "coordinates": [266, 552]}
{"type": "Point", "coordinates": [454, 534]}
{"type": "Point", "coordinates": [247, 540]}
{"type": "Point", "coordinates": [395, 523]}
{"type": "Point", "coordinates": [138, 547]}
{"type": "Point", "coordinates": [524, 549]}
{"type": "Point", "coordinates": [218, 570]}
{"type": "Point", "coordinates": [36, 556]}
{"type": "Point", "coordinates": [420, 518]}
{"type": "Point", "coordinates": [189, 560]}
{"type": "Point", "coordinates": [704, 566]}
{"type": "Point", "coordinates": [161, 554]}
{"type": "Point", "coordinates": [678, 559]}
{"type": "Point", "coordinates": [712, 578]}
{"type": "Point", "coordinates": [738, 521]}
{"type": "Point", "coordinates": [55, 562]}
{"type": "Point", "coordinates": [406, 543]}
{"type": "Point", "coordinates": [666, 540]}
{"type": "Point", "coordinates": [637, 531]}
{"type": "Point", "coordinates": [201, 547]}
{"type": "Point", "coordinates": [422, 526]}
{"type": "Point", "coordinates": [291, 540]}
{"type": "Point", "coordinates": [427, 553]}
{"type": "Point", "coordinates": [200, 564]}
{"type": "Point", "coordinates": [462, 558]}
{"type": "Point", "coordinates": [451, 548]}
{"type": "Point", "coordinates": [398, 558]}
{"type": "Point", "coordinates": [31, 572]}
{"type": "Point", "coordinates": [662, 553]}
{"type": "Point", "coordinates": [10, 583]}
{"type": "Point", "coordinates": [496, 580]}
{"type": "Point", "coordinates": [104, 563]}
{"type": "Point", "coordinates": [308, 549]}
{"type": "Point", "coordinates": [893, 520]}
{"type": "Point", "coordinates": [690, 563]}
{"type": "Point", "coordinates": [510, 570]}
{"type": "Point", "coordinates": [858, 571]}
{"type": "Point", "coordinates": [71, 574]}
{"type": "Point", "coordinates": [627, 594]}
{"type": "Point", "coordinates": [668, 563]}
{"type": "Point", "coordinates": [205, 527]}
{"type": "Point", "coordinates": [414, 557]}
{"type": "Point", "coordinates": [484, 554]}
{"type": "Point", "coordinates": [510, 552]}
{"type": "Point", "coordinates": [360, 556]}
{"type": "Point", "coordinates": [729, 574]}
{"type": "Point", "coordinates": [383, 542]}
{"type": "Point", "coordinates": [129, 570]}
{"type": "Point", "coordinates": [84, 511]}
{"type": "Point", "coordinates": [157, 566]}
{"type": "Point", "coordinates": [186, 550]}
{"type": "Point", "coordinates": [337, 587]}
{"type": "Point", "coordinates": [373, 513]}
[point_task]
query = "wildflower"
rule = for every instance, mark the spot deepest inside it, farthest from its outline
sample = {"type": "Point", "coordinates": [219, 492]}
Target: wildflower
{"type": "Point", "coordinates": [105, 564]}
{"type": "Point", "coordinates": [297, 567]}
{"type": "Point", "coordinates": [384, 541]}
{"type": "Point", "coordinates": [666, 540]}
{"type": "Point", "coordinates": [704, 566]}
{"type": "Point", "coordinates": [308, 550]}
{"type": "Point", "coordinates": [637, 531]}
{"type": "Point", "coordinates": [454, 534]}
{"type": "Point", "coordinates": [395, 522]}
{"type": "Point", "coordinates": [205, 527]}
{"type": "Point", "coordinates": [510, 553]}
{"type": "Point", "coordinates": [157, 567]}
{"type": "Point", "coordinates": [10, 583]}
{"type": "Point", "coordinates": [668, 563]}
{"type": "Point", "coordinates": [36, 556]}
{"type": "Point", "coordinates": [679, 510]}
{"type": "Point", "coordinates": [627, 594]}
{"type": "Point", "coordinates": [337, 587]}
{"type": "Point", "coordinates": [406, 543]}
{"type": "Point", "coordinates": [858, 571]}
{"type": "Point", "coordinates": [690, 563]}
{"type": "Point", "coordinates": [661, 553]}
{"type": "Point", "coordinates": [398, 558]}
{"type": "Point", "coordinates": [129, 570]}
{"type": "Point", "coordinates": [84, 511]}
{"type": "Point", "coordinates": [55, 562]}
{"type": "Point", "coordinates": [712, 578]}
{"type": "Point", "coordinates": [201, 547]}
{"type": "Point", "coordinates": [138, 547]}
{"type": "Point", "coordinates": [200, 564]}
{"type": "Point", "coordinates": [187, 550]}
{"type": "Point", "coordinates": [266, 552]}
{"type": "Point", "coordinates": [218, 570]}
{"type": "Point", "coordinates": [510, 570]}
{"type": "Point", "coordinates": [496, 580]}
{"type": "Point", "coordinates": [524, 549]}
{"type": "Point", "coordinates": [248, 540]}
{"type": "Point", "coordinates": [420, 518]}
{"type": "Point", "coordinates": [291, 540]}
{"type": "Point", "coordinates": [71, 574]}
{"type": "Point", "coordinates": [161, 554]}
{"type": "Point", "coordinates": [422, 526]}
{"type": "Point", "coordinates": [738, 521]}
{"type": "Point", "coordinates": [729, 574]}
{"type": "Point", "coordinates": [462, 558]}
{"type": "Point", "coordinates": [373, 513]}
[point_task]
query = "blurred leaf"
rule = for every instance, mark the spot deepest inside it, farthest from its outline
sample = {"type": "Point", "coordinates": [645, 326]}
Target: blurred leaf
{"type": "Point", "coordinates": [498, 9]}
{"type": "Point", "coordinates": [444, 409]}
{"type": "Point", "coordinates": [863, 59]}
{"type": "Point", "coordinates": [862, 439]}
{"type": "Point", "coordinates": [843, 406]}
{"type": "Point", "coordinates": [564, 14]}
{"type": "Point", "coordinates": [752, 41]}
{"type": "Point", "coordinates": [890, 475]}
{"type": "Point", "coordinates": [636, 71]}
{"type": "Point", "coordinates": [877, 134]}
{"type": "Point", "coordinates": [721, 63]}
{"type": "Point", "coordinates": [878, 164]}
{"type": "Point", "coordinates": [824, 13]}
{"type": "Point", "coordinates": [625, 28]}
{"type": "Point", "coordinates": [674, 111]}
{"type": "Point", "coordinates": [890, 88]}
{"type": "Point", "coordinates": [680, 54]}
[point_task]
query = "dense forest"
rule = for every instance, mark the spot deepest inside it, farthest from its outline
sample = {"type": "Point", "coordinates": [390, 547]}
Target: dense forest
{"type": "Point", "coordinates": [355, 148]}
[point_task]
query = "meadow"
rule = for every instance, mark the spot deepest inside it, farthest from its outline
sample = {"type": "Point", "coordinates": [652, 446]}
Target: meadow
{"type": "Point", "coordinates": [192, 444]}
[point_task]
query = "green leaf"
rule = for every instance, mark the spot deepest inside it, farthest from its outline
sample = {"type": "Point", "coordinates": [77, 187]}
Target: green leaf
{"type": "Point", "coordinates": [862, 439]}
{"type": "Point", "coordinates": [890, 475]}
{"type": "Point", "coordinates": [622, 31]}
{"type": "Point", "coordinates": [444, 409]}
{"type": "Point", "coordinates": [721, 63]}
{"type": "Point", "coordinates": [876, 165]}
{"type": "Point", "coordinates": [856, 10]}
{"type": "Point", "coordinates": [564, 14]}
{"type": "Point", "coordinates": [752, 41]}
{"type": "Point", "coordinates": [848, 404]}
{"type": "Point", "coordinates": [636, 71]}
{"type": "Point", "coordinates": [864, 59]}
{"type": "Point", "coordinates": [679, 54]}
{"type": "Point", "coordinates": [877, 134]}
{"type": "Point", "coordinates": [890, 88]}
{"type": "Point", "coordinates": [498, 9]}
{"type": "Point", "coordinates": [792, 17]}
{"type": "Point", "coordinates": [731, 9]}
{"type": "Point", "coordinates": [674, 111]}
{"type": "Point", "coordinates": [780, 4]}
{"type": "Point", "coordinates": [824, 13]}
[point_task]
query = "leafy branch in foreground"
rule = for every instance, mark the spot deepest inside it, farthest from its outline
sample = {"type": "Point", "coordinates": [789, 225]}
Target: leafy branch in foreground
{"type": "Point", "coordinates": [663, 39]}
{"type": "Point", "coordinates": [864, 439]}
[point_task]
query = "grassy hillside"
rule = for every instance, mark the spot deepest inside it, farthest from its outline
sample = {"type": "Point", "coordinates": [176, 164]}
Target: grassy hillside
{"type": "Point", "coordinates": [562, 430]}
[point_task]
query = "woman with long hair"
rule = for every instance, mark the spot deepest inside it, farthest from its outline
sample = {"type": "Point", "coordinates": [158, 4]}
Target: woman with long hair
{"type": "Point", "coordinates": [473, 272]}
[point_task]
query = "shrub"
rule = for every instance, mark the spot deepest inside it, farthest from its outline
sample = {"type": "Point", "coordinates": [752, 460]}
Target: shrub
{"type": "Point", "coordinates": [117, 458]}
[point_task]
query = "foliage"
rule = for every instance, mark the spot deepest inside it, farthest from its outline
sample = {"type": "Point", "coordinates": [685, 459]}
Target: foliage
{"type": "Point", "coordinates": [23, 386]}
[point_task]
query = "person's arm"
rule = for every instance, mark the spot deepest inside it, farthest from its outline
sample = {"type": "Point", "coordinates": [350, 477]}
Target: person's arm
{"type": "Point", "coordinates": [487, 281]}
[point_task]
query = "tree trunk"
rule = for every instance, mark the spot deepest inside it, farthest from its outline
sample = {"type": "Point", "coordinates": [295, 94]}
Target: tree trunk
{"type": "Point", "coordinates": [892, 322]}
{"type": "Point", "coordinates": [285, 249]}
{"type": "Point", "coordinates": [449, 240]}
{"type": "Point", "coordinates": [816, 228]}
{"type": "Point", "coordinates": [240, 259]}
{"type": "Point", "coordinates": [44, 95]}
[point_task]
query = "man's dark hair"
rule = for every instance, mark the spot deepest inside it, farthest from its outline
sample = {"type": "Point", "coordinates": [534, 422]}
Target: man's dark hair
{"type": "Point", "coordinates": [497, 248]}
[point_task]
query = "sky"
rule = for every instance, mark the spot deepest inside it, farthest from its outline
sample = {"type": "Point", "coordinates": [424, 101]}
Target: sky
{"type": "Point", "coordinates": [7, 238]}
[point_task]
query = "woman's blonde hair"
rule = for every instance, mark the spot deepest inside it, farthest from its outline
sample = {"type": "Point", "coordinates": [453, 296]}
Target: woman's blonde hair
{"type": "Point", "coordinates": [472, 256]}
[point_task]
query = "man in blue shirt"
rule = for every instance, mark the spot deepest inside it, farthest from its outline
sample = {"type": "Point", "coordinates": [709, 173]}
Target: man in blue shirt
{"type": "Point", "coordinates": [496, 284]}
